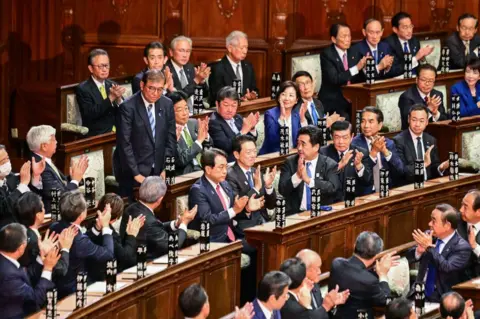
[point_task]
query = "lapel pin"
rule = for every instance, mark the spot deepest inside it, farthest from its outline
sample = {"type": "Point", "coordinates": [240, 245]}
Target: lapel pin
{"type": "Point", "coordinates": [246, 183]}
{"type": "Point", "coordinates": [317, 175]}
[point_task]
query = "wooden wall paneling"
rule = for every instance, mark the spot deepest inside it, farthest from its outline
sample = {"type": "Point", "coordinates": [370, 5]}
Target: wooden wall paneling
{"type": "Point", "coordinates": [293, 248]}
{"type": "Point", "coordinates": [332, 243]}
{"type": "Point", "coordinates": [226, 274]}
{"type": "Point", "coordinates": [384, 11]}
{"type": "Point", "coordinates": [370, 224]}
{"type": "Point", "coordinates": [280, 11]}
{"type": "Point", "coordinates": [196, 279]}
{"type": "Point", "coordinates": [397, 236]}
{"type": "Point", "coordinates": [157, 305]}
{"type": "Point", "coordinates": [128, 312]}
{"type": "Point", "coordinates": [6, 16]}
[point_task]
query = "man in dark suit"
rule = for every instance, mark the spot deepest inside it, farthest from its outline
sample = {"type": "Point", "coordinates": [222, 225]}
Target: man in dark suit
{"type": "Point", "coordinates": [73, 210]}
{"type": "Point", "coordinates": [18, 297]}
{"type": "Point", "coordinates": [43, 145]}
{"type": "Point", "coordinates": [367, 289]}
{"type": "Point", "coordinates": [246, 180]}
{"type": "Point", "coordinates": [225, 123]}
{"type": "Point", "coordinates": [452, 305]}
{"type": "Point", "coordinates": [444, 259]}
{"type": "Point", "coordinates": [272, 294]}
{"type": "Point", "coordinates": [234, 67]}
{"type": "Point", "coordinates": [191, 133]}
{"type": "Point", "coordinates": [98, 97]}
{"type": "Point", "coordinates": [353, 161]}
{"type": "Point", "coordinates": [340, 66]}
{"type": "Point", "coordinates": [145, 134]}
{"type": "Point", "coordinates": [154, 234]}
{"type": "Point", "coordinates": [371, 47]}
{"type": "Point", "coordinates": [402, 41]}
{"type": "Point", "coordinates": [463, 43]}
{"type": "Point", "coordinates": [415, 144]}
{"type": "Point", "coordinates": [185, 76]}
{"type": "Point", "coordinates": [468, 228]}
{"type": "Point", "coordinates": [423, 93]}
{"type": "Point", "coordinates": [155, 57]}
{"type": "Point", "coordinates": [382, 150]}
{"type": "Point", "coordinates": [400, 308]}
{"type": "Point", "coordinates": [306, 170]}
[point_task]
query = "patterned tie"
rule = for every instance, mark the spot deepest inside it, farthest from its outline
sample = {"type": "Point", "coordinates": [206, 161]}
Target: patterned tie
{"type": "Point", "coordinates": [419, 149]}
{"type": "Point", "coordinates": [426, 99]}
{"type": "Point", "coordinates": [230, 233]}
{"type": "Point", "coordinates": [376, 172]}
{"type": "Point", "coordinates": [345, 64]}
{"type": "Point", "coordinates": [101, 88]}
{"type": "Point", "coordinates": [467, 48]}
{"type": "Point", "coordinates": [308, 191]}
{"type": "Point", "coordinates": [151, 119]}
{"type": "Point", "coordinates": [431, 274]}
{"type": "Point", "coordinates": [232, 125]}
{"type": "Point", "coordinates": [249, 179]}
{"type": "Point", "coordinates": [405, 47]}
{"type": "Point", "coordinates": [375, 56]}
{"type": "Point", "coordinates": [189, 141]}
{"type": "Point", "coordinates": [183, 79]}
{"type": "Point", "coordinates": [314, 114]}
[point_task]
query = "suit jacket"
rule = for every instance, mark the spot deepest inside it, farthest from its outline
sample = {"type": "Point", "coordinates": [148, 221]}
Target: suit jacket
{"type": "Point", "coordinates": [52, 180]}
{"type": "Point", "coordinates": [334, 77]}
{"type": "Point", "coordinates": [473, 269]}
{"type": "Point", "coordinates": [18, 297]}
{"type": "Point", "coordinates": [153, 234]}
{"type": "Point", "coordinates": [317, 296]}
{"type": "Point", "coordinates": [468, 105]}
{"type": "Point", "coordinates": [82, 249]}
{"type": "Point", "coordinates": [450, 265]}
{"type": "Point", "coordinates": [326, 178]}
{"type": "Point", "coordinates": [259, 313]}
{"type": "Point", "coordinates": [458, 60]}
{"type": "Point", "coordinates": [318, 107]}
{"type": "Point", "coordinates": [406, 152]}
{"type": "Point", "coordinates": [364, 184]}
{"type": "Point", "coordinates": [395, 165]}
{"type": "Point", "coordinates": [189, 70]}
{"type": "Point", "coordinates": [271, 142]}
{"type": "Point", "coordinates": [366, 291]}
{"type": "Point", "coordinates": [210, 208]}
{"type": "Point", "coordinates": [137, 79]}
{"type": "Point", "coordinates": [137, 151]}
{"type": "Point", "coordinates": [238, 181]}
{"type": "Point", "coordinates": [294, 310]}
{"type": "Point", "coordinates": [185, 155]}
{"type": "Point", "coordinates": [222, 135]}
{"type": "Point", "coordinates": [8, 198]}
{"type": "Point", "coordinates": [98, 114]}
{"type": "Point", "coordinates": [223, 75]}
{"type": "Point", "coordinates": [383, 49]}
{"type": "Point", "coordinates": [396, 49]}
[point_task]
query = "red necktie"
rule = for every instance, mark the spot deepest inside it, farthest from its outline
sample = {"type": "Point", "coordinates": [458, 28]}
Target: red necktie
{"type": "Point", "coordinates": [426, 99]}
{"type": "Point", "coordinates": [230, 233]}
{"type": "Point", "coordinates": [345, 64]}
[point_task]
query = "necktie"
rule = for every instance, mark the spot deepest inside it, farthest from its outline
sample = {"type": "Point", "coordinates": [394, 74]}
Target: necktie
{"type": "Point", "coordinates": [419, 149]}
{"type": "Point", "coordinates": [376, 172]}
{"type": "Point", "coordinates": [426, 99]}
{"type": "Point", "coordinates": [189, 141]}
{"type": "Point", "coordinates": [345, 64]}
{"type": "Point", "coordinates": [249, 179]}
{"type": "Point", "coordinates": [183, 78]}
{"type": "Point", "coordinates": [314, 114]}
{"type": "Point", "coordinates": [55, 169]}
{"type": "Point", "coordinates": [230, 234]}
{"type": "Point", "coordinates": [151, 119]}
{"type": "Point", "coordinates": [375, 56]}
{"type": "Point", "coordinates": [237, 74]}
{"type": "Point", "coordinates": [308, 191]}
{"type": "Point", "coordinates": [467, 48]}
{"type": "Point", "coordinates": [405, 47]}
{"type": "Point", "coordinates": [233, 126]}
{"type": "Point", "coordinates": [342, 172]}
{"type": "Point", "coordinates": [314, 301]}
{"type": "Point", "coordinates": [101, 88]}
{"type": "Point", "coordinates": [431, 274]}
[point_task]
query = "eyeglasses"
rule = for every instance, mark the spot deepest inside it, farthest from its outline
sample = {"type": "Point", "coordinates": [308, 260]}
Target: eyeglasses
{"type": "Point", "coordinates": [407, 27]}
{"type": "Point", "coordinates": [464, 28]}
{"type": "Point", "coordinates": [305, 84]}
{"type": "Point", "coordinates": [426, 81]}
{"type": "Point", "coordinates": [184, 51]}
{"type": "Point", "coordinates": [374, 32]}
{"type": "Point", "coordinates": [102, 66]}
{"type": "Point", "coordinates": [154, 90]}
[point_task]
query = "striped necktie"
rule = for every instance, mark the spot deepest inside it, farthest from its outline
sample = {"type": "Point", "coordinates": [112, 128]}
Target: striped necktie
{"type": "Point", "coordinates": [151, 119]}
{"type": "Point", "coordinates": [189, 141]}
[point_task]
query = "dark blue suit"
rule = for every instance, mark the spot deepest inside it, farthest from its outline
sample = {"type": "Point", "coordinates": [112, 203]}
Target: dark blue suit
{"type": "Point", "coordinates": [395, 166]}
{"type": "Point", "coordinates": [17, 297]}
{"type": "Point", "coordinates": [259, 313]}
{"type": "Point", "coordinates": [82, 248]}
{"type": "Point", "coordinates": [468, 106]}
{"type": "Point", "coordinates": [362, 49]}
{"type": "Point", "coordinates": [271, 142]}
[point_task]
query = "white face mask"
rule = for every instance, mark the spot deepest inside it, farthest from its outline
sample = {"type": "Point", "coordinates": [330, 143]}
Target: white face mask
{"type": "Point", "coordinates": [5, 169]}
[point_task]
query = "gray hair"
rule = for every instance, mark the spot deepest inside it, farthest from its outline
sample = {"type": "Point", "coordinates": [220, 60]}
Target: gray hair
{"type": "Point", "coordinates": [368, 245]}
{"type": "Point", "coordinates": [234, 36]}
{"type": "Point", "coordinates": [173, 43]}
{"type": "Point", "coordinates": [37, 135]}
{"type": "Point", "coordinates": [152, 188]}
{"type": "Point", "coordinates": [308, 256]}
{"type": "Point", "coordinates": [2, 147]}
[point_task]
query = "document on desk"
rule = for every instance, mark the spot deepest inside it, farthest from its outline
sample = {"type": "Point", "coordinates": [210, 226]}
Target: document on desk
{"type": "Point", "coordinates": [131, 273]}
{"type": "Point", "coordinates": [100, 287]}
{"type": "Point", "coordinates": [164, 259]}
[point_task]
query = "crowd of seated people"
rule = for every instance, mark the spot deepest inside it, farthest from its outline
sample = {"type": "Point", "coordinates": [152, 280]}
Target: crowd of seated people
{"type": "Point", "coordinates": [233, 193]}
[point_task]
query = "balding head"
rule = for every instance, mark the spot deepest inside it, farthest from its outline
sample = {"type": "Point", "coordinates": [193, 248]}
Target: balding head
{"type": "Point", "coordinates": [313, 262]}
{"type": "Point", "coordinates": [452, 305]}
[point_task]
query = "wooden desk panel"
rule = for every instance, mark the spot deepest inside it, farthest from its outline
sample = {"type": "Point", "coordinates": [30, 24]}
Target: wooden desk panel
{"type": "Point", "coordinates": [334, 233]}
{"type": "Point", "coordinates": [470, 290]}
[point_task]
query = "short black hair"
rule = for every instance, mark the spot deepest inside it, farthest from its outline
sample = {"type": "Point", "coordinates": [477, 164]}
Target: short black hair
{"type": "Point", "coordinates": [426, 66]}
{"type": "Point", "coordinates": [473, 63]}
{"type": "Point", "coordinates": [273, 283]}
{"type": "Point", "coordinates": [334, 28]}
{"type": "Point", "coordinates": [72, 205]}
{"type": "Point", "coordinates": [209, 155]}
{"type": "Point", "coordinates": [417, 107]}
{"type": "Point", "coordinates": [399, 308]}
{"type": "Point", "coordinates": [368, 21]}
{"type": "Point", "coordinates": [178, 96]}
{"type": "Point", "coordinates": [27, 207]}
{"type": "Point", "coordinates": [228, 92]}
{"type": "Point", "coordinates": [399, 17]}
{"type": "Point", "coordinates": [301, 73]}
{"type": "Point", "coordinates": [467, 16]}
{"type": "Point", "coordinates": [313, 132]}
{"type": "Point", "coordinates": [239, 140]}
{"type": "Point", "coordinates": [295, 269]}
{"type": "Point", "coordinates": [153, 75]}
{"type": "Point", "coordinates": [376, 111]}
{"type": "Point", "coordinates": [12, 236]}
{"type": "Point", "coordinates": [192, 300]}
{"type": "Point", "coordinates": [116, 204]}
{"type": "Point", "coordinates": [341, 126]}
{"type": "Point", "coordinates": [452, 304]}
{"type": "Point", "coordinates": [285, 85]}
{"type": "Point", "coordinates": [476, 198]}
{"type": "Point", "coordinates": [368, 245]}
{"type": "Point", "coordinates": [154, 45]}
{"type": "Point", "coordinates": [94, 53]}
{"type": "Point", "coordinates": [449, 214]}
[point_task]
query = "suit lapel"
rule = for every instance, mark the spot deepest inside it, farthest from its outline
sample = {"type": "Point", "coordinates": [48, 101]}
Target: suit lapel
{"type": "Point", "coordinates": [409, 143]}
{"type": "Point", "coordinates": [159, 120]}
{"type": "Point", "coordinates": [230, 72]}
{"type": "Point", "coordinates": [413, 46]}
{"type": "Point", "coordinates": [338, 59]}
{"type": "Point", "coordinates": [191, 129]}
{"type": "Point", "coordinates": [212, 193]}
{"type": "Point", "coordinates": [95, 91]}
{"type": "Point", "coordinates": [453, 241]}
{"type": "Point", "coordinates": [398, 46]}
{"type": "Point", "coordinates": [142, 111]}
{"type": "Point", "coordinates": [241, 177]}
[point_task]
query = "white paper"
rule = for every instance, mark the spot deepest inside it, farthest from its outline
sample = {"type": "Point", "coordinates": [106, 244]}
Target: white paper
{"type": "Point", "coordinates": [100, 287]}
{"type": "Point", "coordinates": [164, 259]}
{"type": "Point", "coordinates": [151, 269]}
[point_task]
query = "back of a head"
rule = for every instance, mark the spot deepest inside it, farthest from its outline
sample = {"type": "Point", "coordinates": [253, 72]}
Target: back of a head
{"type": "Point", "coordinates": [295, 269]}
{"type": "Point", "coordinates": [116, 204]}
{"type": "Point", "coordinates": [27, 207]}
{"type": "Point", "coordinates": [452, 305]}
{"type": "Point", "coordinates": [192, 300]}
{"type": "Point", "coordinates": [368, 245]}
{"type": "Point", "coordinates": [273, 283]}
{"type": "Point", "coordinates": [72, 205]}
{"type": "Point", "coordinates": [152, 189]}
{"type": "Point", "coordinates": [12, 236]}
{"type": "Point", "coordinates": [399, 308]}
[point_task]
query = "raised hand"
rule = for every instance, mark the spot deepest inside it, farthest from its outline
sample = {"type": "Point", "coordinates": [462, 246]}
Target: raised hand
{"type": "Point", "coordinates": [49, 241]}
{"type": "Point", "coordinates": [305, 297]}
{"type": "Point", "coordinates": [422, 52]}
{"type": "Point", "coordinates": [78, 168]}
{"type": "Point", "coordinates": [245, 313]}
{"type": "Point", "coordinates": [257, 178]}
{"type": "Point", "coordinates": [134, 225]}
{"type": "Point", "coordinates": [168, 79]}
{"type": "Point", "coordinates": [25, 175]}
{"type": "Point", "coordinates": [423, 239]}
{"type": "Point", "coordinates": [105, 216]}
{"type": "Point", "coordinates": [250, 95]}
{"type": "Point", "coordinates": [239, 204]}
{"type": "Point", "coordinates": [358, 160]}
{"type": "Point", "coordinates": [38, 167]}
{"type": "Point", "coordinates": [444, 166]}
{"type": "Point", "coordinates": [255, 204]}
{"type": "Point", "coordinates": [427, 158]}
{"type": "Point", "coordinates": [202, 131]}
{"type": "Point", "coordinates": [178, 132]}
{"type": "Point", "coordinates": [269, 177]}
{"type": "Point", "coordinates": [303, 111]}
{"type": "Point", "coordinates": [471, 237]}
{"type": "Point", "coordinates": [333, 118]}
{"type": "Point", "coordinates": [51, 259]}
{"type": "Point", "coordinates": [385, 263]}
{"type": "Point", "coordinates": [363, 61]}
{"type": "Point", "coordinates": [188, 215]}
{"type": "Point", "coordinates": [345, 159]}
{"type": "Point", "coordinates": [433, 103]}
{"type": "Point", "coordinates": [66, 237]}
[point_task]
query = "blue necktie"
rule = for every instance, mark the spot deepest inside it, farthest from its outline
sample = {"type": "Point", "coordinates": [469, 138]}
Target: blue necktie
{"type": "Point", "coordinates": [249, 179]}
{"type": "Point", "coordinates": [151, 119]}
{"type": "Point", "coordinates": [432, 271]}
{"type": "Point", "coordinates": [314, 114]}
{"type": "Point", "coordinates": [308, 191]}
{"type": "Point", "coordinates": [375, 56]}
{"type": "Point", "coordinates": [405, 47]}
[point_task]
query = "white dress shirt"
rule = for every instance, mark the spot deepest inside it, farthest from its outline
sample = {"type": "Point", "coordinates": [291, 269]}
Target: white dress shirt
{"type": "Point", "coordinates": [414, 138]}
{"type": "Point", "coordinates": [234, 66]}
{"type": "Point", "coordinates": [414, 59]}
{"type": "Point", "coordinates": [353, 70]}
{"type": "Point", "coordinates": [296, 181]}
{"type": "Point", "coordinates": [267, 313]}
{"type": "Point", "coordinates": [177, 69]}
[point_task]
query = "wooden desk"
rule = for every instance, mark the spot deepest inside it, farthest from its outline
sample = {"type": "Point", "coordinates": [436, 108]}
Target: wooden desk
{"type": "Point", "coordinates": [155, 296]}
{"type": "Point", "coordinates": [334, 233]}
{"type": "Point", "coordinates": [245, 108]}
{"type": "Point", "coordinates": [470, 290]}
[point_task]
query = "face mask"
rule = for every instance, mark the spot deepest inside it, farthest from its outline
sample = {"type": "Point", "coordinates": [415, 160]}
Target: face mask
{"type": "Point", "coordinates": [5, 169]}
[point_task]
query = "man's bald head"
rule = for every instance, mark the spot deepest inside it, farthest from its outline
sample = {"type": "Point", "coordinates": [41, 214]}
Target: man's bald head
{"type": "Point", "coordinates": [452, 305]}
{"type": "Point", "coordinates": [313, 262]}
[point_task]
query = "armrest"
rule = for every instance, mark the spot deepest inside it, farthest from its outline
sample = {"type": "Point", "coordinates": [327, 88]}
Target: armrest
{"type": "Point", "coordinates": [67, 127]}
